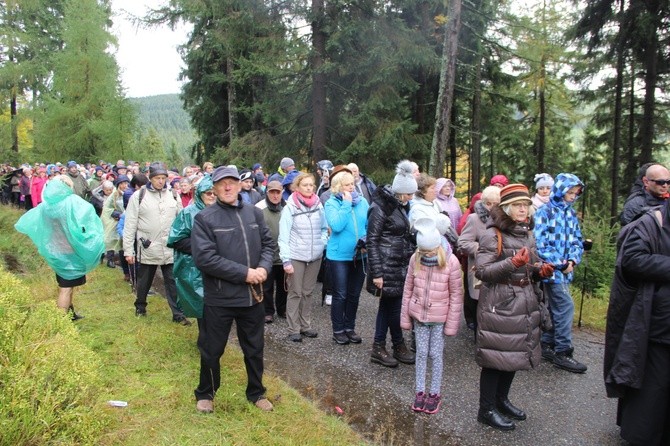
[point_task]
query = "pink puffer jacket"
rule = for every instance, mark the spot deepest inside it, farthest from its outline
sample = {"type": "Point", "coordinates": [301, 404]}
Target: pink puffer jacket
{"type": "Point", "coordinates": [433, 295]}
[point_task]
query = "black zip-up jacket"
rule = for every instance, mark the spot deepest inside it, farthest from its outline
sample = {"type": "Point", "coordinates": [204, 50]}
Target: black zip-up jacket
{"type": "Point", "coordinates": [226, 241]}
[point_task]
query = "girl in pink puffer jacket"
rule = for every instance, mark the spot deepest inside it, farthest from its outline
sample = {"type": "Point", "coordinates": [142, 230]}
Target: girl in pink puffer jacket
{"type": "Point", "coordinates": [432, 303]}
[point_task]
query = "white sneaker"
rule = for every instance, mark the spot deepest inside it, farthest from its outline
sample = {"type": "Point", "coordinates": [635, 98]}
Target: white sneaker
{"type": "Point", "coordinates": [329, 299]}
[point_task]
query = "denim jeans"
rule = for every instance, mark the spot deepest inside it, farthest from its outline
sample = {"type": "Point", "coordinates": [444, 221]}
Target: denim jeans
{"type": "Point", "coordinates": [388, 319]}
{"type": "Point", "coordinates": [346, 282]}
{"type": "Point", "coordinates": [562, 310]}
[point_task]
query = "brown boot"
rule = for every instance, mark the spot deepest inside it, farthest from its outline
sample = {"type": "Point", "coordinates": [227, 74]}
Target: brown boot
{"type": "Point", "coordinates": [381, 356]}
{"type": "Point", "coordinates": [402, 353]}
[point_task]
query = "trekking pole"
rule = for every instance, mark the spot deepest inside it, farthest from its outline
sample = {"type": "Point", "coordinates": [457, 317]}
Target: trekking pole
{"type": "Point", "coordinates": [586, 244]}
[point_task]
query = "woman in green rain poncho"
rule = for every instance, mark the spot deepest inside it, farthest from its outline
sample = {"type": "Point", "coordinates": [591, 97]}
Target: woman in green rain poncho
{"type": "Point", "coordinates": [68, 234]}
{"type": "Point", "coordinates": [190, 291]}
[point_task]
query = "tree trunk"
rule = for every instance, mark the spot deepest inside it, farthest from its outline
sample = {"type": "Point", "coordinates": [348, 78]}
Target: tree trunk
{"type": "Point", "coordinates": [232, 100]}
{"type": "Point", "coordinates": [476, 148]}
{"type": "Point", "coordinates": [541, 136]}
{"type": "Point", "coordinates": [452, 146]}
{"type": "Point", "coordinates": [631, 164]}
{"type": "Point", "coordinates": [446, 92]}
{"type": "Point", "coordinates": [646, 135]}
{"type": "Point", "coordinates": [616, 131]}
{"type": "Point", "coordinates": [14, 122]}
{"type": "Point", "coordinates": [318, 83]}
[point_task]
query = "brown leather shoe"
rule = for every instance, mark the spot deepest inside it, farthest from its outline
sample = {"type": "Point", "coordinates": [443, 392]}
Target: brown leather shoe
{"type": "Point", "coordinates": [264, 404]}
{"type": "Point", "coordinates": [204, 406]}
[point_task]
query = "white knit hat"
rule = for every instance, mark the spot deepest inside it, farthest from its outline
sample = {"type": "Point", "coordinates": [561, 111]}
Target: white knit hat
{"type": "Point", "coordinates": [543, 180]}
{"type": "Point", "coordinates": [427, 236]}
{"type": "Point", "coordinates": [404, 182]}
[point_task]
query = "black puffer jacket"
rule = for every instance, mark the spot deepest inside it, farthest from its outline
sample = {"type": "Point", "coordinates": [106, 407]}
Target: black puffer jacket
{"type": "Point", "coordinates": [390, 243]}
{"type": "Point", "coordinates": [226, 241]}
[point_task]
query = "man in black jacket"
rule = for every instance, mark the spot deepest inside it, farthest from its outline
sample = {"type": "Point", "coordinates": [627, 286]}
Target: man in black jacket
{"type": "Point", "coordinates": [233, 248]}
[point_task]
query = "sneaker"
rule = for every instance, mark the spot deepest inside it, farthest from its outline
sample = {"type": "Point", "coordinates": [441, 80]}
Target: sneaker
{"type": "Point", "coordinates": [565, 361]}
{"type": "Point", "coordinates": [419, 402]}
{"type": "Point", "coordinates": [295, 337]}
{"type": "Point", "coordinates": [309, 333]}
{"type": "Point", "coordinates": [181, 320]}
{"type": "Point", "coordinates": [353, 337]}
{"type": "Point", "coordinates": [432, 404]}
{"type": "Point", "coordinates": [341, 338]}
{"type": "Point", "coordinates": [264, 404]}
{"type": "Point", "coordinates": [204, 406]}
{"type": "Point", "coordinates": [548, 352]}
{"type": "Point", "coordinates": [329, 299]}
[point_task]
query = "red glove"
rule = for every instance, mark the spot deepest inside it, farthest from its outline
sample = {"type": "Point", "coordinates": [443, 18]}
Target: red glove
{"type": "Point", "coordinates": [546, 270]}
{"type": "Point", "coordinates": [521, 257]}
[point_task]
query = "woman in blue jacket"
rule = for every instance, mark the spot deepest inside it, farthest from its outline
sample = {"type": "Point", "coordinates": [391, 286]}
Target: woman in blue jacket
{"type": "Point", "coordinates": [347, 215]}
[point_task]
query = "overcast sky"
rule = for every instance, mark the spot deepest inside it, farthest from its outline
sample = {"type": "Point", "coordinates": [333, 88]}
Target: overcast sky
{"type": "Point", "coordinates": [148, 59]}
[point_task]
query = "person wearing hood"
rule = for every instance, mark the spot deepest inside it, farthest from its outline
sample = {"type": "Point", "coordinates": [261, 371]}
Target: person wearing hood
{"type": "Point", "coordinates": [68, 234]}
{"type": "Point", "coordinates": [188, 278]}
{"type": "Point", "coordinates": [97, 178]}
{"type": "Point", "coordinates": [559, 242]}
{"type": "Point", "coordinates": [37, 186]}
{"type": "Point", "coordinates": [287, 183]}
{"type": "Point", "coordinates": [446, 198]}
{"type": "Point", "coordinates": [80, 183]}
{"type": "Point", "coordinates": [149, 217]}
{"type": "Point", "coordinates": [111, 211]}
{"type": "Point", "coordinates": [543, 184]}
{"type": "Point", "coordinates": [468, 243]}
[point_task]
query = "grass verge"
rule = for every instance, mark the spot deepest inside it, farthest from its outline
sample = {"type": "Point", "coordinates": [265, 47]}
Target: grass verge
{"type": "Point", "coordinates": [153, 364]}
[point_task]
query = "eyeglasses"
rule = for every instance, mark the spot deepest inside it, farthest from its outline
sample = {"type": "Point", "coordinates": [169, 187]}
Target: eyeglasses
{"type": "Point", "coordinates": [660, 182]}
{"type": "Point", "coordinates": [209, 193]}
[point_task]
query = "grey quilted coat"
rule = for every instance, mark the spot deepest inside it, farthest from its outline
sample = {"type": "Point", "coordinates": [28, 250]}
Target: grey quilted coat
{"type": "Point", "coordinates": [508, 314]}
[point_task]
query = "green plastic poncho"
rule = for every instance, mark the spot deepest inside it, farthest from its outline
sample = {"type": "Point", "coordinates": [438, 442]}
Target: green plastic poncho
{"type": "Point", "coordinates": [66, 231]}
{"type": "Point", "coordinates": [190, 290]}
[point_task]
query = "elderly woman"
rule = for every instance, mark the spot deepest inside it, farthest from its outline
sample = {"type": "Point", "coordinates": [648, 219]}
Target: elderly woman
{"type": "Point", "coordinates": [111, 212]}
{"type": "Point", "coordinates": [508, 315]}
{"type": "Point", "coordinates": [188, 278]}
{"type": "Point", "coordinates": [390, 244]}
{"type": "Point", "coordinates": [347, 217]}
{"type": "Point", "coordinates": [468, 243]}
{"type": "Point", "coordinates": [302, 236]}
{"type": "Point", "coordinates": [446, 198]}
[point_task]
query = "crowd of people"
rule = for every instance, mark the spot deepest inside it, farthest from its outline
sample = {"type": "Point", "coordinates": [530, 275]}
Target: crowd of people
{"type": "Point", "coordinates": [243, 246]}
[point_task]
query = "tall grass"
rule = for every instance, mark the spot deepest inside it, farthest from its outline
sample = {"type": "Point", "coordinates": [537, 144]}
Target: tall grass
{"type": "Point", "coordinates": [56, 377]}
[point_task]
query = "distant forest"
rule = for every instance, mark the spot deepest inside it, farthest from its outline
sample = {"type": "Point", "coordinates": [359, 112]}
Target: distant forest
{"type": "Point", "coordinates": [166, 116]}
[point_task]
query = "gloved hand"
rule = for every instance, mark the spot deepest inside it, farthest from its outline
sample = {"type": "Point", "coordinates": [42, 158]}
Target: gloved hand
{"type": "Point", "coordinates": [521, 257]}
{"type": "Point", "coordinates": [546, 270]}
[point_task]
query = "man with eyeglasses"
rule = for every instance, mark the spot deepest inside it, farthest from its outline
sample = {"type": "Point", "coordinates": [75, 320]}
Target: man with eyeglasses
{"type": "Point", "coordinates": [656, 184]}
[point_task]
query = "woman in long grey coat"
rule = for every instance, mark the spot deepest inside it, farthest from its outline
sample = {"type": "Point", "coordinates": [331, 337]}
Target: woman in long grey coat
{"type": "Point", "coordinates": [508, 314]}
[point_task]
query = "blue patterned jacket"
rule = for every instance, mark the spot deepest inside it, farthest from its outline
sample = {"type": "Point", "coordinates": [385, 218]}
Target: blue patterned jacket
{"type": "Point", "coordinates": [557, 233]}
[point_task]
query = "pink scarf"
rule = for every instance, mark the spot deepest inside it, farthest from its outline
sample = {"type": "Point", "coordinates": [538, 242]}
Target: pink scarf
{"type": "Point", "coordinates": [299, 199]}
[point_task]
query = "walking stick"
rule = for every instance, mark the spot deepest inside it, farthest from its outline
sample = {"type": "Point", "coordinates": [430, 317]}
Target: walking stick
{"type": "Point", "coordinates": [586, 244]}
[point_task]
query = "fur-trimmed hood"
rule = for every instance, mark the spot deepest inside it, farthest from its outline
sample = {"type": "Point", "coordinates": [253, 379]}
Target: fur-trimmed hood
{"type": "Point", "coordinates": [504, 222]}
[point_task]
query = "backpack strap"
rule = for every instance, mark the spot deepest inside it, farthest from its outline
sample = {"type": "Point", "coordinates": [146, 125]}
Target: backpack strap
{"type": "Point", "coordinates": [143, 191]}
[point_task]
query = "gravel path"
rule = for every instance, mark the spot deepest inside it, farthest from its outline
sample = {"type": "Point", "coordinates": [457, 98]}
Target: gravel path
{"type": "Point", "coordinates": [563, 408]}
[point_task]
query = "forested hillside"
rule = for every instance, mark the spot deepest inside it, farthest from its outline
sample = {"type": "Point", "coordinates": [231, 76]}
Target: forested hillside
{"type": "Point", "coordinates": [165, 115]}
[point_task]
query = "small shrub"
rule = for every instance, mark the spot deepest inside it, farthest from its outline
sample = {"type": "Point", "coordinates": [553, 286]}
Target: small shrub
{"type": "Point", "coordinates": [595, 273]}
{"type": "Point", "coordinates": [48, 378]}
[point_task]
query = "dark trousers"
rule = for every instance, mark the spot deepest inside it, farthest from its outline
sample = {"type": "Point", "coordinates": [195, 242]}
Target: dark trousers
{"type": "Point", "coordinates": [124, 263]}
{"type": "Point", "coordinates": [274, 292]}
{"type": "Point", "coordinates": [28, 203]}
{"type": "Point", "coordinates": [469, 304]}
{"type": "Point", "coordinates": [145, 276]}
{"type": "Point", "coordinates": [494, 385]}
{"type": "Point", "coordinates": [346, 279]}
{"type": "Point", "coordinates": [388, 319]}
{"type": "Point", "coordinates": [214, 332]}
{"type": "Point", "coordinates": [645, 413]}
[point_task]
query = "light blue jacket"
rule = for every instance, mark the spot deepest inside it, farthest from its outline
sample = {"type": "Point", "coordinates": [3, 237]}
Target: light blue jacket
{"type": "Point", "coordinates": [347, 223]}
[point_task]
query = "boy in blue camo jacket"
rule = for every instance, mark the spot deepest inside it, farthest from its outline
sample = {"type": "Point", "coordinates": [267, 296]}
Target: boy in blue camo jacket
{"type": "Point", "coordinates": [559, 242]}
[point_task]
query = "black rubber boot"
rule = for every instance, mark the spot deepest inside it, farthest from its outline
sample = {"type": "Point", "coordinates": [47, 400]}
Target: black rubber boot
{"type": "Point", "coordinates": [495, 419]}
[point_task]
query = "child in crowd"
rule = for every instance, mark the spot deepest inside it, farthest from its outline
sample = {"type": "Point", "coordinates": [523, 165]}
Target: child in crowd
{"type": "Point", "coordinates": [543, 185]}
{"type": "Point", "coordinates": [432, 301]}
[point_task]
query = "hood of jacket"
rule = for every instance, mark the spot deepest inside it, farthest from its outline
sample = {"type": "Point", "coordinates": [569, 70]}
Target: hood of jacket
{"type": "Point", "coordinates": [562, 184]}
{"type": "Point", "coordinates": [203, 186]}
{"type": "Point", "coordinates": [56, 191]}
{"type": "Point", "coordinates": [441, 182]}
{"type": "Point", "coordinates": [386, 200]}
